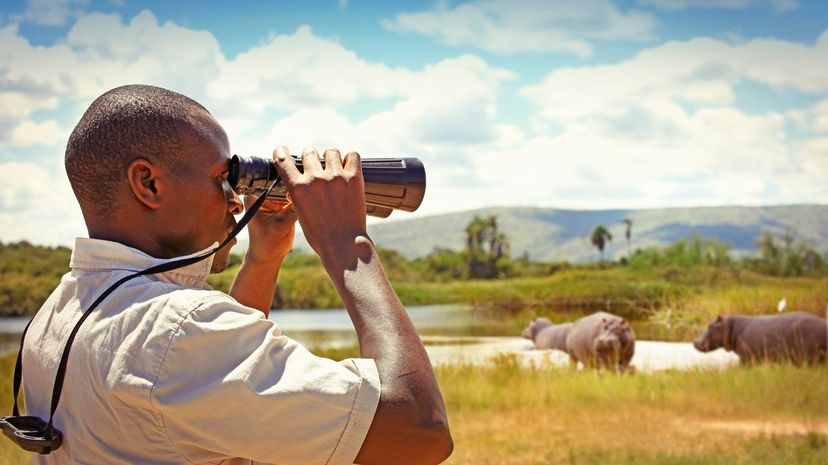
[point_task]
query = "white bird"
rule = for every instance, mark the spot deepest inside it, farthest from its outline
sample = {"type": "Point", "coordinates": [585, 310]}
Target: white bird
{"type": "Point", "coordinates": [781, 306]}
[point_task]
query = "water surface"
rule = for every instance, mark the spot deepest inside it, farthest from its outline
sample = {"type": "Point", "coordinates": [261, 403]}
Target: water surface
{"type": "Point", "coordinates": [455, 334]}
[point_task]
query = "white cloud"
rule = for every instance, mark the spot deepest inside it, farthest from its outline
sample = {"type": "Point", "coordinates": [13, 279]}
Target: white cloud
{"type": "Point", "coordinates": [779, 5]}
{"type": "Point", "coordinates": [37, 206]}
{"type": "Point", "coordinates": [813, 119]}
{"type": "Point", "coordinates": [511, 26]}
{"type": "Point", "coordinates": [112, 53]}
{"type": "Point", "coordinates": [29, 133]}
{"type": "Point", "coordinates": [54, 12]}
{"type": "Point", "coordinates": [662, 128]}
{"type": "Point", "coordinates": [450, 111]}
{"type": "Point", "coordinates": [303, 70]}
{"type": "Point", "coordinates": [713, 157]}
{"type": "Point", "coordinates": [699, 72]}
{"type": "Point", "coordinates": [100, 52]}
{"type": "Point", "coordinates": [821, 117]}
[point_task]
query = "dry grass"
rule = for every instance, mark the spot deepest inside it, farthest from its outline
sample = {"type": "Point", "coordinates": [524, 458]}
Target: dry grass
{"type": "Point", "coordinates": [549, 435]}
{"type": "Point", "coordinates": [507, 414]}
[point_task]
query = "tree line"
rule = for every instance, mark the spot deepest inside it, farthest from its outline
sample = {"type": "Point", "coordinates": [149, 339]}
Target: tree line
{"type": "Point", "coordinates": [29, 273]}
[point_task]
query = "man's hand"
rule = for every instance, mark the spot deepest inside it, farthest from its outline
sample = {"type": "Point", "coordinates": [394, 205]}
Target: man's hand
{"type": "Point", "coordinates": [271, 233]}
{"type": "Point", "coordinates": [330, 201]}
{"type": "Point", "coordinates": [271, 230]}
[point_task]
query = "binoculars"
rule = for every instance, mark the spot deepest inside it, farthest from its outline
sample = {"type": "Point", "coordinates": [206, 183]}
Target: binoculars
{"type": "Point", "coordinates": [390, 183]}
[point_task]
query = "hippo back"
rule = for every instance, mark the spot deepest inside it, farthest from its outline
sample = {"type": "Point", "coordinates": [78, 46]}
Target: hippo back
{"type": "Point", "coordinates": [553, 337]}
{"type": "Point", "coordinates": [796, 337]}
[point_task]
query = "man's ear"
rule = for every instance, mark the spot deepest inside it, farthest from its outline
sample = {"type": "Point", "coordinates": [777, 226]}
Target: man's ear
{"type": "Point", "coordinates": [142, 177]}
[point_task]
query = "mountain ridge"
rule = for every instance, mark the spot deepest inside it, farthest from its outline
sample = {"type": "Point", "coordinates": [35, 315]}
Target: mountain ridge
{"type": "Point", "coordinates": [556, 234]}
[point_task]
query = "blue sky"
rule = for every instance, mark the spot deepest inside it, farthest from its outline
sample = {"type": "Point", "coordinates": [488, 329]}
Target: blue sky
{"type": "Point", "coordinates": [589, 104]}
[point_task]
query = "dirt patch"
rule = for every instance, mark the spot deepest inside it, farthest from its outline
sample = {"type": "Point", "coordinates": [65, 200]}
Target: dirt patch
{"type": "Point", "coordinates": [752, 427]}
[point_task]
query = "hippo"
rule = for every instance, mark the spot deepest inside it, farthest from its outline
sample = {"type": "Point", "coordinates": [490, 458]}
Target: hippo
{"type": "Point", "coordinates": [601, 340]}
{"type": "Point", "coordinates": [795, 337]}
{"type": "Point", "coordinates": [547, 335]}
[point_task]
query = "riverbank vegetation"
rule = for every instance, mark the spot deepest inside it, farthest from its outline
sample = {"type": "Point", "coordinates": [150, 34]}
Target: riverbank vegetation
{"type": "Point", "coordinates": [670, 292]}
{"type": "Point", "coordinates": [506, 413]}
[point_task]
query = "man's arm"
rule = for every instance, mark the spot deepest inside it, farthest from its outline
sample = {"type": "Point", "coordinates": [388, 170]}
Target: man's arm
{"type": "Point", "coordinates": [271, 236]}
{"type": "Point", "coordinates": [410, 424]}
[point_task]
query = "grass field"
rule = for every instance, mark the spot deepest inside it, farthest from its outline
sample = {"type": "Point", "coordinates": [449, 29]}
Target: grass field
{"type": "Point", "coordinates": [508, 414]}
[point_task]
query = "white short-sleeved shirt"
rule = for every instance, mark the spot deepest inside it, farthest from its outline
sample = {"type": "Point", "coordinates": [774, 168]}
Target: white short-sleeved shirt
{"type": "Point", "coordinates": [168, 371]}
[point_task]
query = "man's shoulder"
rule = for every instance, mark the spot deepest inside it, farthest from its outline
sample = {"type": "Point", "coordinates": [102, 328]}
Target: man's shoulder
{"type": "Point", "coordinates": [187, 300]}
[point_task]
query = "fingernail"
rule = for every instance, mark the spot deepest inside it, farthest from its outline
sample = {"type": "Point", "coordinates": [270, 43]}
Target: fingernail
{"type": "Point", "coordinates": [280, 153]}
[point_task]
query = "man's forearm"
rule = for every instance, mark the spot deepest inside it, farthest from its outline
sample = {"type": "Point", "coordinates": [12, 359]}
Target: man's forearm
{"type": "Point", "coordinates": [377, 313]}
{"type": "Point", "coordinates": [255, 283]}
{"type": "Point", "coordinates": [411, 405]}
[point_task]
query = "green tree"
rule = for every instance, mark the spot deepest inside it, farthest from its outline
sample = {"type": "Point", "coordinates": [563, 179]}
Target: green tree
{"type": "Point", "coordinates": [487, 247]}
{"type": "Point", "coordinates": [443, 265]}
{"type": "Point", "coordinates": [785, 256]}
{"type": "Point", "coordinates": [628, 234]}
{"type": "Point", "coordinates": [600, 237]}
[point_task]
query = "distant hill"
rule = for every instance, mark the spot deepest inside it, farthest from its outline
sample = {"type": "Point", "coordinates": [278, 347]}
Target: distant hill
{"type": "Point", "coordinates": [551, 234]}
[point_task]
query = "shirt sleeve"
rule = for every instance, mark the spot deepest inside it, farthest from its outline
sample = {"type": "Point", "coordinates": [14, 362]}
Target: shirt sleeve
{"type": "Point", "coordinates": [232, 386]}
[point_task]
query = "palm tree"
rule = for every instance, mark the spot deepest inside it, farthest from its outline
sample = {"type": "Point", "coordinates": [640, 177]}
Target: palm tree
{"type": "Point", "coordinates": [485, 246]}
{"type": "Point", "coordinates": [628, 234]}
{"type": "Point", "coordinates": [600, 236]}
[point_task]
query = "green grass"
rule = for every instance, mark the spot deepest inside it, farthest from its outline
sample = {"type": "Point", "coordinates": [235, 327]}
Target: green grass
{"type": "Point", "coordinates": [508, 414]}
{"type": "Point", "coordinates": [770, 391]}
{"type": "Point", "coordinates": [10, 454]}
{"type": "Point", "coordinates": [691, 293]}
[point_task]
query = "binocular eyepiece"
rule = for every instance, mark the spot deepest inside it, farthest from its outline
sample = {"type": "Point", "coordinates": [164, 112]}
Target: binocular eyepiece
{"type": "Point", "coordinates": [390, 183]}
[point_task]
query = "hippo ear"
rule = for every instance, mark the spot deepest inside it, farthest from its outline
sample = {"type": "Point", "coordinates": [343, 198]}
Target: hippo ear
{"type": "Point", "coordinates": [719, 319]}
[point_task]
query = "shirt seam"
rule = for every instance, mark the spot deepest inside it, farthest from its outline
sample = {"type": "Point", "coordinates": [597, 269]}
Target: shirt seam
{"type": "Point", "coordinates": [199, 304]}
{"type": "Point", "coordinates": [350, 415]}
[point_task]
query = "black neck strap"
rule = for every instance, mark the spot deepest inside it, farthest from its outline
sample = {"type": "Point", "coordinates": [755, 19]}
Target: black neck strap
{"type": "Point", "coordinates": [164, 267]}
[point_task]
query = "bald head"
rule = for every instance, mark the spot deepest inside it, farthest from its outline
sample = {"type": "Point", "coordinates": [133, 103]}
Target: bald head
{"type": "Point", "coordinates": [127, 123]}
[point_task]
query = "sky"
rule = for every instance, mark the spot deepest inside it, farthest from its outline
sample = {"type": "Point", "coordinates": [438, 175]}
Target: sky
{"type": "Point", "coordinates": [593, 104]}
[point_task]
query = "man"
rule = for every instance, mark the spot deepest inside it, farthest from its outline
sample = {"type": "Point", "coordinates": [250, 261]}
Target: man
{"type": "Point", "coordinates": [166, 370]}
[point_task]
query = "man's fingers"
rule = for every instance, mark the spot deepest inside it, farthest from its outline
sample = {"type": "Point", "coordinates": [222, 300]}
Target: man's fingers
{"type": "Point", "coordinates": [310, 161]}
{"type": "Point", "coordinates": [333, 161]}
{"type": "Point", "coordinates": [285, 165]}
{"type": "Point", "coordinates": [353, 164]}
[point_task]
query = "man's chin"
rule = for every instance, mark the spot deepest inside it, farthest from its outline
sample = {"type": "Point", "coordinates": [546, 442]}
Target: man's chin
{"type": "Point", "coordinates": [218, 266]}
{"type": "Point", "coordinates": [221, 258]}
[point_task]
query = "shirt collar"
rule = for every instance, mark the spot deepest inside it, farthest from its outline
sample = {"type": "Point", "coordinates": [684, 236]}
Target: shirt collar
{"type": "Point", "coordinates": [100, 255]}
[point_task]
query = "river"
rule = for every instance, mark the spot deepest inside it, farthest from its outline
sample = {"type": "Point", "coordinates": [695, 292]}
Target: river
{"type": "Point", "coordinates": [445, 331]}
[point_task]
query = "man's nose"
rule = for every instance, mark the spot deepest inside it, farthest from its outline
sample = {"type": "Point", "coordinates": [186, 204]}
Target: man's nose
{"type": "Point", "coordinates": [234, 202]}
{"type": "Point", "coordinates": [235, 205]}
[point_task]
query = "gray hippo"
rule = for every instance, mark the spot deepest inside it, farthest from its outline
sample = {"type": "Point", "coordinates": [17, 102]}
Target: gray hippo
{"type": "Point", "coordinates": [547, 335]}
{"type": "Point", "coordinates": [601, 340]}
{"type": "Point", "coordinates": [796, 337]}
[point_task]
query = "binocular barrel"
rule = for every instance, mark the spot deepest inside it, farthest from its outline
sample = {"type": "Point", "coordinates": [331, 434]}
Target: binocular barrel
{"type": "Point", "coordinates": [390, 183]}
